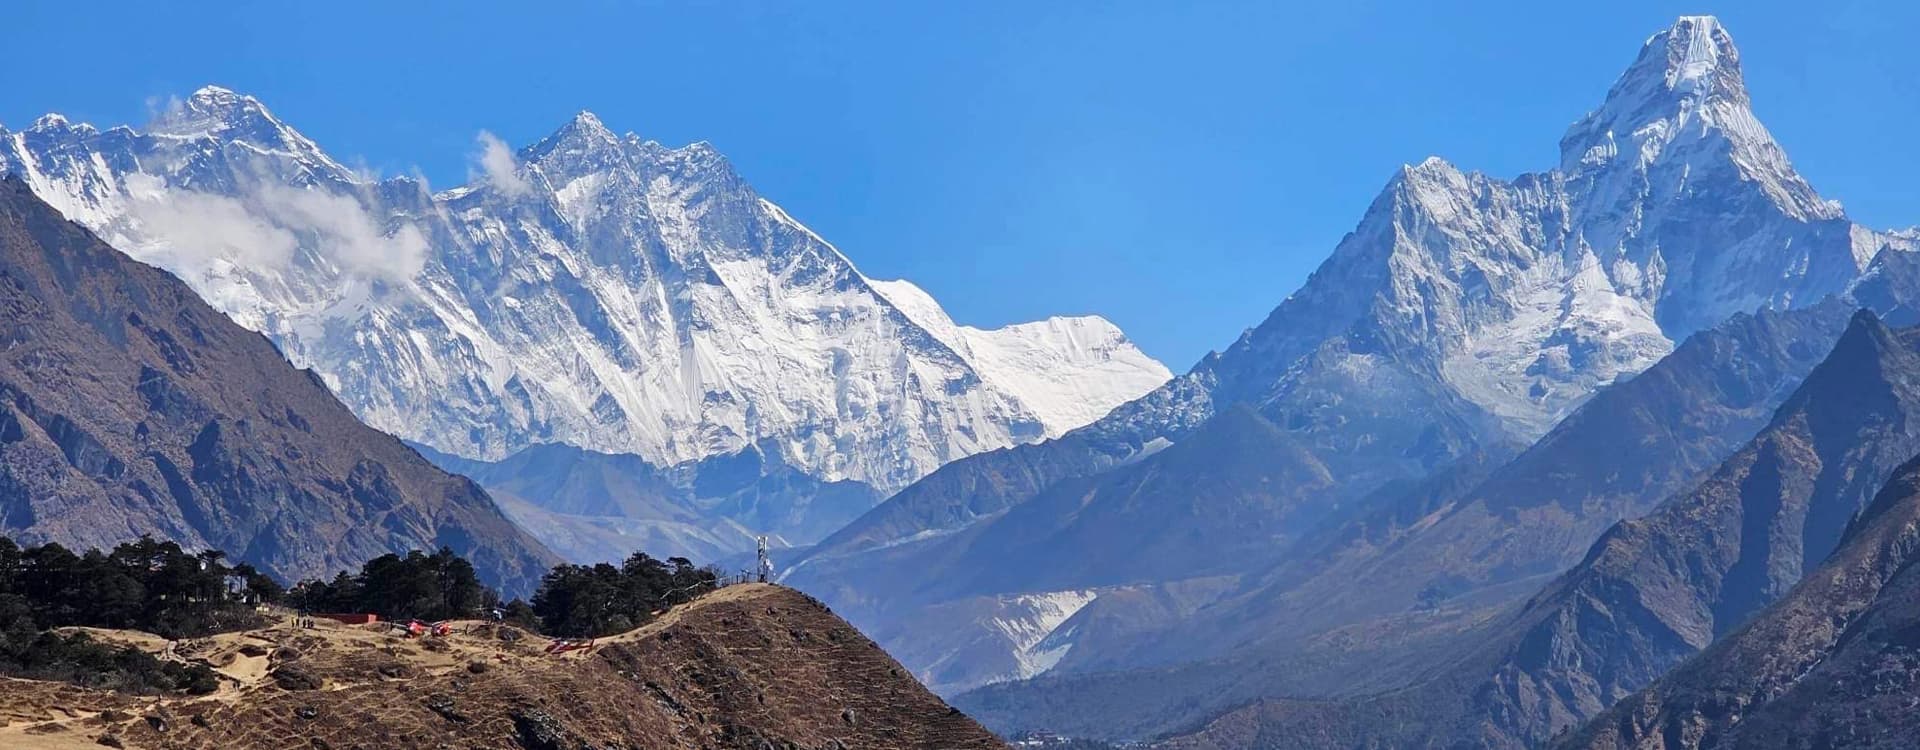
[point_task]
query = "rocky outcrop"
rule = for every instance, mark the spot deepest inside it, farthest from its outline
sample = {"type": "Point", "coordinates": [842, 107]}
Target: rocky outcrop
{"type": "Point", "coordinates": [1835, 663]}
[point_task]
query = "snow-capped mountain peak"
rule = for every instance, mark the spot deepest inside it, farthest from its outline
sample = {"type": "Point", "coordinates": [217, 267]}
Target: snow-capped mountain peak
{"type": "Point", "coordinates": [215, 110]}
{"type": "Point", "coordinates": [225, 116]}
{"type": "Point", "coordinates": [592, 289]}
{"type": "Point", "coordinates": [587, 121]}
{"type": "Point", "coordinates": [1700, 58]}
{"type": "Point", "coordinates": [582, 134]}
{"type": "Point", "coordinates": [1689, 71]}
{"type": "Point", "coordinates": [54, 121]}
{"type": "Point", "coordinates": [1522, 296]}
{"type": "Point", "coordinates": [1684, 101]}
{"type": "Point", "coordinates": [1089, 349]}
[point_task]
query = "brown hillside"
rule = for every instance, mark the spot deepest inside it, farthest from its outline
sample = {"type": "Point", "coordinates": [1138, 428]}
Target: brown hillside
{"type": "Point", "coordinates": [752, 666]}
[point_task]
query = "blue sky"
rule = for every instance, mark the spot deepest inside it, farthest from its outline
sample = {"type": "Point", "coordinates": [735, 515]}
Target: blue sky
{"type": "Point", "coordinates": [1177, 167]}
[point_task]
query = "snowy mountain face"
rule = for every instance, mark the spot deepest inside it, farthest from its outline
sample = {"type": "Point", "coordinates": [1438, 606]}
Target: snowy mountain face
{"type": "Point", "coordinates": [1063, 368]}
{"type": "Point", "coordinates": [592, 289]}
{"type": "Point", "coordinates": [1671, 210]}
{"type": "Point", "coordinates": [1014, 637]}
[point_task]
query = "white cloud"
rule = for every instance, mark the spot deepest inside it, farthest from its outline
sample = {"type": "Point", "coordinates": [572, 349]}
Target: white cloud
{"type": "Point", "coordinates": [343, 232]}
{"type": "Point", "coordinates": [189, 229]}
{"type": "Point", "coordinates": [203, 234]}
{"type": "Point", "coordinates": [499, 166]}
{"type": "Point", "coordinates": [159, 106]}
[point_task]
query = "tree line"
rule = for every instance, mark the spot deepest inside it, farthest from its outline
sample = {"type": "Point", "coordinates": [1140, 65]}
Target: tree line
{"type": "Point", "coordinates": [573, 600]}
{"type": "Point", "coordinates": [161, 588]}
{"type": "Point", "coordinates": [145, 585]}
{"type": "Point", "coordinates": [593, 600]}
{"type": "Point", "coordinates": [417, 585]}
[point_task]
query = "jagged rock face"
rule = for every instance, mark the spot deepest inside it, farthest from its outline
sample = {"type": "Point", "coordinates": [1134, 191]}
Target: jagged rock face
{"type": "Point", "coordinates": [593, 289]}
{"type": "Point", "coordinates": [1656, 590]}
{"type": "Point", "coordinates": [1834, 663]}
{"type": "Point", "coordinates": [130, 407]}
